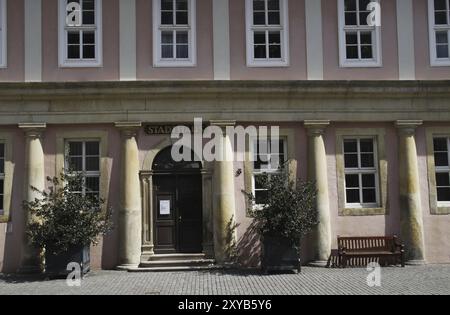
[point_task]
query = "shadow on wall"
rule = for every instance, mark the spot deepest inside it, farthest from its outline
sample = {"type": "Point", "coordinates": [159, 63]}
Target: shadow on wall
{"type": "Point", "coordinates": [249, 248]}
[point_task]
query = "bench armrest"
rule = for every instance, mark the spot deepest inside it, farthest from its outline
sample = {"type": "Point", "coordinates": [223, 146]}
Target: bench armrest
{"type": "Point", "coordinates": [342, 250]}
{"type": "Point", "coordinates": [398, 245]}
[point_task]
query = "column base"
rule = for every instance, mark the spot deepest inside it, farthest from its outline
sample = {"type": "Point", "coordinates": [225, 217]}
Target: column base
{"type": "Point", "coordinates": [416, 263]}
{"type": "Point", "coordinates": [318, 264]}
{"type": "Point", "coordinates": [127, 267]}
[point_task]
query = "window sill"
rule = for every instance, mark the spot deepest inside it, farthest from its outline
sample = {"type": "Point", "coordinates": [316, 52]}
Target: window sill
{"type": "Point", "coordinates": [441, 210]}
{"type": "Point", "coordinates": [174, 64]}
{"type": "Point", "coordinates": [362, 212]}
{"type": "Point", "coordinates": [361, 64]}
{"type": "Point", "coordinates": [268, 64]}
{"type": "Point", "coordinates": [81, 64]}
{"type": "Point", "coordinates": [440, 63]}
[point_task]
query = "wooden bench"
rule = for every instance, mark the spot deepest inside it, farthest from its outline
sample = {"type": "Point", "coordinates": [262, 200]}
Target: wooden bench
{"type": "Point", "coordinates": [386, 248]}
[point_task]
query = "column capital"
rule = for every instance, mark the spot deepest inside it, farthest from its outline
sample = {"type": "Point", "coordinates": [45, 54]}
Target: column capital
{"type": "Point", "coordinates": [408, 127]}
{"type": "Point", "coordinates": [128, 128]}
{"type": "Point", "coordinates": [223, 124]}
{"type": "Point", "coordinates": [316, 127]}
{"type": "Point", "coordinates": [33, 130]}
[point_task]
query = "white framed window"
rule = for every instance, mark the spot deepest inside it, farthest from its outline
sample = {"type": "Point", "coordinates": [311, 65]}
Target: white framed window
{"type": "Point", "coordinates": [361, 172]}
{"type": "Point", "coordinates": [81, 46]}
{"type": "Point", "coordinates": [359, 42]}
{"type": "Point", "coordinates": [267, 25]}
{"type": "Point", "coordinates": [3, 34]}
{"type": "Point", "coordinates": [441, 147]}
{"type": "Point", "coordinates": [2, 177]}
{"type": "Point", "coordinates": [266, 162]}
{"type": "Point", "coordinates": [439, 32]}
{"type": "Point", "coordinates": [84, 156]}
{"type": "Point", "coordinates": [174, 33]}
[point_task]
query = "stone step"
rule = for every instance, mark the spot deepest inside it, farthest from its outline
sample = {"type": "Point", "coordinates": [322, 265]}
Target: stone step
{"type": "Point", "coordinates": [177, 263]}
{"type": "Point", "coordinates": [174, 269]}
{"type": "Point", "coordinates": [173, 257]}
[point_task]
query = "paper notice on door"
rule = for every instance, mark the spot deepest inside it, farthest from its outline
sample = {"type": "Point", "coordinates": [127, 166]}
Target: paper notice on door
{"type": "Point", "coordinates": [164, 207]}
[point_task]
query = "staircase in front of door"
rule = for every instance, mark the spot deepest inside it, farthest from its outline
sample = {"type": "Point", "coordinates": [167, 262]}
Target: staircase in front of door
{"type": "Point", "coordinates": [176, 262]}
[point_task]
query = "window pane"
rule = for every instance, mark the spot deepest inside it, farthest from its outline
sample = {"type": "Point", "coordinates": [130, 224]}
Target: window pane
{"type": "Point", "coordinates": [274, 18]}
{"type": "Point", "coordinates": [443, 194]}
{"type": "Point", "coordinates": [2, 150]}
{"type": "Point", "coordinates": [442, 180]}
{"type": "Point", "coordinates": [350, 18]}
{"type": "Point", "coordinates": [93, 148]}
{"type": "Point", "coordinates": [367, 160]}
{"type": "Point", "coordinates": [2, 167]}
{"type": "Point", "coordinates": [73, 38]}
{"type": "Point", "coordinates": [275, 51]}
{"type": "Point", "coordinates": [167, 37]}
{"type": "Point", "coordinates": [73, 52]}
{"type": "Point", "coordinates": [92, 164]}
{"type": "Point", "coordinates": [166, 5]}
{"type": "Point", "coordinates": [440, 4]}
{"type": "Point", "coordinates": [366, 38]}
{"type": "Point", "coordinates": [261, 197]}
{"type": "Point", "coordinates": [76, 164]}
{"type": "Point", "coordinates": [352, 181]}
{"type": "Point", "coordinates": [182, 18]}
{"type": "Point", "coordinates": [351, 160]}
{"type": "Point", "coordinates": [88, 38]}
{"type": "Point", "coordinates": [259, 5]}
{"type": "Point", "coordinates": [441, 159]}
{"type": "Point", "coordinates": [440, 144]}
{"type": "Point", "coordinates": [440, 18]}
{"type": "Point", "coordinates": [366, 52]}
{"type": "Point", "coordinates": [350, 146]}
{"type": "Point", "coordinates": [181, 5]}
{"type": "Point", "coordinates": [363, 17]}
{"type": "Point", "coordinates": [182, 51]}
{"type": "Point", "coordinates": [442, 51]}
{"type": "Point", "coordinates": [88, 17]}
{"type": "Point", "coordinates": [351, 38]}
{"type": "Point", "coordinates": [167, 18]}
{"type": "Point", "coordinates": [273, 4]}
{"type": "Point", "coordinates": [352, 52]}
{"type": "Point", "coordinates": [363, 4]}
{"type": "Point", "coordinates": [182, 37]}
{"type": "Point", "coordinates": [88, 5]}
{"type": "Point", "coordinates": [350, 5]}
{"type": "Point", "coordinates": [366, 145]}
{"type": "Point", "coordinates": [93, 184]}
{"type": "Point", "coordinates": [353, 196]}
{"type": "Point", "coordinates": [442, 37]}
{"type": "Point", "coordinates": [89, 51]}
{"type": "Point", "coordinates": [369, 196]}
{"type": "Point", "coordinates": [167, 51]}
{"type": "Point", "coordinates": [259, 18]}
{"type": "Point", "coordinates": [259, 38]}
{"type": "Point", "coordinates": [259, 181]}
{"type": "Point", "coordinates": [260, 52]}
{"type": "Point", "coordinates": [368, 180]}
{"type": "Point", "coordinates": [274, 38]}
{"type": "Point", "coordinates": [75, 148]}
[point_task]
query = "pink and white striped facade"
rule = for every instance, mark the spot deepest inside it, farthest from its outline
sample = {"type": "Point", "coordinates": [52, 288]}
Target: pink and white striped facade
{"type": "Point", "coordinates": [317, 102]}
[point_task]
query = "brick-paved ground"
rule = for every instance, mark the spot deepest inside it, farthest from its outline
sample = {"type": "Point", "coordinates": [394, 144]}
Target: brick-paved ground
{"type": "Point", "coordinates": [411, 280]}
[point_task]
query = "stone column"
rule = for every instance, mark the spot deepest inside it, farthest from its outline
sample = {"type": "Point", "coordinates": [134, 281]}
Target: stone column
{"type": "Point", "coordinates": [411, 219]}
{"type": "Point", "coordinates": [318, 172]}
{"type": "Point", "coordinates": [224, 216]}
{"type": "Point", "coordinates": [34, 177]}
{"type": "Point", "coordinates": [130, 213]}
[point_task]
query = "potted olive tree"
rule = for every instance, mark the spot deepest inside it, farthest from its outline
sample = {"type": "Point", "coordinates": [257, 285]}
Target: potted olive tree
{"type": "Point", "coordinates": [66, 222]}
{"type": "Point", "coordinates": [287, 215]}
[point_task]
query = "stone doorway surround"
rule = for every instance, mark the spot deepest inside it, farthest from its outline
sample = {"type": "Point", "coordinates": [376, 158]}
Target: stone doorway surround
{"type": "Point", "coordinates": [146, 178]}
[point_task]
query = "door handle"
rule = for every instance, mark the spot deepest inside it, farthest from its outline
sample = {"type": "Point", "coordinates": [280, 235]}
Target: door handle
{"type": "Point", "coordinates": [180, 218]}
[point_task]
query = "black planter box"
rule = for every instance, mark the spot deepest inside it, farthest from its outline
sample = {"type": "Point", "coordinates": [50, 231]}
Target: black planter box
{"type": "Point", "coordinates": [279, 255]}
{"type": "Point", "coordinates": [56, 265]}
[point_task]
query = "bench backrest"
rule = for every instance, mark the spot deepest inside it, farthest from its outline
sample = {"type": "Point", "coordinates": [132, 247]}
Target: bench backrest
{"type": "Point", "coordinates": [374, 243]}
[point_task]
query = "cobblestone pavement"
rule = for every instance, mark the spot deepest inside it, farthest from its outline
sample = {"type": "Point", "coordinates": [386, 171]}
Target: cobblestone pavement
{"type": "Point", "coordinates": [411, 280]}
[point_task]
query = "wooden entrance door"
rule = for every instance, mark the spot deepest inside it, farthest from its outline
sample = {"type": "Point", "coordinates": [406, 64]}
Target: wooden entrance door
{"type": "Point", "coordinates": [178, 213]}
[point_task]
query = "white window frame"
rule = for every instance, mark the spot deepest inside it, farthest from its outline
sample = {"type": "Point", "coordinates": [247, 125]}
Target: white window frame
{"type": "Point", "coordinates": [2, 177]}
{"type": "Point", "coordinates": [442, 169]}
{"type": "Point", "coordinates": [191, 28]}
{"type": "Point", "coordinates": [433, 28]}
{"type": "Point", "coordinates": [362, 171]}
{"type": "Point", "coordinates": [264, 171]}
{"type": "Point", "coordinates": [64, 62]}
{"type": "Point", "coordinates": [3, 34]}
{"type": "Point", "coordinates": [284, 36]}
{"type": "Point", "coordinates": [376, 61]}
{"type": "Point", "coordinates": [84, 156]}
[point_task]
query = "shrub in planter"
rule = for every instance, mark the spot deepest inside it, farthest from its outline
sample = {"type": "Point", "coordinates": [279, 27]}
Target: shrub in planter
{"type": "Point", "coordinates": [66, 222]}
{"type": "Point", "coordinates": [287, 215]}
